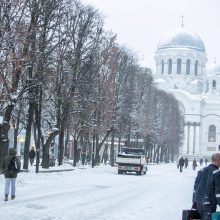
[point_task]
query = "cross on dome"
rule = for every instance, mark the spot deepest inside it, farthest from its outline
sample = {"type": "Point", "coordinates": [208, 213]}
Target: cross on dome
{"type": "Point", "coordinates": [182, 17]}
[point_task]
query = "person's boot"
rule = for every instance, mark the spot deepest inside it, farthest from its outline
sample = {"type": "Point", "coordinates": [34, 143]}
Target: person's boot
{"type": "Point", "coordinates": [6, 197]}
{"type": "Point", "coordinates": [13, 197]}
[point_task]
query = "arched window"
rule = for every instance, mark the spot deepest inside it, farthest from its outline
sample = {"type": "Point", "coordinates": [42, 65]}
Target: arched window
{"type": "Point", "coordinates": [188, 67]}
{"type": "Point", "coordinates": [196, 68]}
{"type": "Point", "coordinates": [179, 66]}
{"type": "Point", "coordinates": [213, 84]}
{"type": "Point", "coordinates": [170, 66]}
{"type": "Point", "coordinates": [162, 67]}
{"type": "Point", "coordinates": [212, 133]}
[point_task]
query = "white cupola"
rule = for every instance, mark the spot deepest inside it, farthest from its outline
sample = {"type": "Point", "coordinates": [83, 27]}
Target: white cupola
{"type": "Point", "coordinates": [180, 53]}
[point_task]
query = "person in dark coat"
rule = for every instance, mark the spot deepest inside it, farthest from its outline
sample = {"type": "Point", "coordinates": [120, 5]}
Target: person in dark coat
{"type": "Point", "coordinates": [194, 164]}
{"type": "Point", "coordinates": [11, 167]}
{"type": "Point", "coordinates": [206, 193]}
{"type": "Point", "coordinates": [83, 158]}
{"type": "Point", "coordinates": [181, 164]}
{"type": "Point", "coordinates": [32, 155]}
{"type": "Point", "coordinates": [201, 162]}
{"type": "Point", "coordinates": [186, 162]}
{"type": "Point", "coordinates": [105, 157]}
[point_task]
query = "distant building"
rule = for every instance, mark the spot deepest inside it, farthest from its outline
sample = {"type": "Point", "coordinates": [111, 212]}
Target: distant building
{"type": "Point", "coordinates": [181, 61]}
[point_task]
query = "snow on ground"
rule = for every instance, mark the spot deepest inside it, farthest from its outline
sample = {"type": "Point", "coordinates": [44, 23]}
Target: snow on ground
{"type": "Point", "coordinates": [100, 194]}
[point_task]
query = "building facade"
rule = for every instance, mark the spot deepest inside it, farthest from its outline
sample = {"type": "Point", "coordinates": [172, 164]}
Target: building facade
{"type": "Point", "coordinates": [181, 68]}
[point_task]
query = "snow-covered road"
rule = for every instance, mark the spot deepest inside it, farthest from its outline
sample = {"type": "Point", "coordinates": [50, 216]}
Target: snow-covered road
{"type": "Point", "coordinates": [100, 194]}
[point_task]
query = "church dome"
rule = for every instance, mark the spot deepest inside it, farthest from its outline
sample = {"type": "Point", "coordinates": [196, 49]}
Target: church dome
{"type": "Point", "coordinates": [214, 69]}
{"type": "Point", "coordinates": [181, 38]}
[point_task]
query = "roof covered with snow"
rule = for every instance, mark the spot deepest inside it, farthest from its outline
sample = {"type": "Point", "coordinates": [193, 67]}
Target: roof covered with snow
{"type": "Point", "coordinates": [181, 38]}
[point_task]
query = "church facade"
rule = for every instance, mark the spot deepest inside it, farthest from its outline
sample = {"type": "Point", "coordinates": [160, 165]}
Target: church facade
{"type": "Point", "coordinates": [181, 69]}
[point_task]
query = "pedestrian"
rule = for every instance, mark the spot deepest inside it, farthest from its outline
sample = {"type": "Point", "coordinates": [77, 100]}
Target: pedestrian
{"type": "Point", "coordinates": [83, 158]}
{"type": "Point", "coordinates": [32, 155]}
{"type": "Point", "coordinates": [105, 157]}
{"type": "Point", "coordinates": [201, 162]}
{"type": "Point", "coordinates": [206, 161]}
{"type": "Point", "coordinates": [194, 164]}
{"type": "Point", "coordinates": [206, 194]}
{"type": "Point", "coordinates": [186, 162]}
{"type": "Point", "coordinates": [11, 167]}
{"type": "Point", "coordinates": [181, 164]}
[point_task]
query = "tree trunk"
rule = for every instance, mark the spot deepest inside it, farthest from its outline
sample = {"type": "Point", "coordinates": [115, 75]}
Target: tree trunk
{"type": "Point", "coordinates": [97, 157]}
{"type": "Point", "coordinates": [17, 127]}
{"type": "Point", "coordinates": [62, 122]}
{"type": "Point", "coordinates": [112, 149]}
{"type": "Point", "coordinates": [28, 135]}
{"type": "Point", "coordinates": [38, 110]}
{"type": "Point", "coordinates": [46, 149]}
{"type": "Point", "coordinates": [61, 145]}
{"type": "Point", "coordinates": [4, 128]}
{"type": "Point", "coordinates": [74, 151]}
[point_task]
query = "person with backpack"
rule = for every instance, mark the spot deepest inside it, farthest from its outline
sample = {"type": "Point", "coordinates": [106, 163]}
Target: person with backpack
{"type": "Point", "coordinates": [11, 167]}
{"type": "Point", "coordinates": [32, 155]}
{"type": "Point", "coordinates": [206, 194]}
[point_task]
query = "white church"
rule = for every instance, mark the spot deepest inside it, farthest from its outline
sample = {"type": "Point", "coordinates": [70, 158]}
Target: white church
{"type": "Point", "coordinates": [181, 68]}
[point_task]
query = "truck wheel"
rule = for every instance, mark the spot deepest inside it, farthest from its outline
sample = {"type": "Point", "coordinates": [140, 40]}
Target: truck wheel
{"type": "Point", "coordinates": [120, 172]}
{"type": "Point", "coordinates": [139, 173]}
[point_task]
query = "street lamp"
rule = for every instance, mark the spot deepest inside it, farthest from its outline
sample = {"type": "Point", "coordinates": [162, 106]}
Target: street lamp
{"type": "Point", "coordinates": [21, 139]}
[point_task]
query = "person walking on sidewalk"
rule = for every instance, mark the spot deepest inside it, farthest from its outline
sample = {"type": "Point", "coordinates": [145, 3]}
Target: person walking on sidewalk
{"type": "Point", "coordinates": [194, 165]}
{"type": "Point", "coordinates": [11, 167]}
{"type": "Point", "coordinates": [181, 164]}
{"type": "Point", "coordinates": [32, 155]}
{"type": "Point", "coordinates": [186, 162]}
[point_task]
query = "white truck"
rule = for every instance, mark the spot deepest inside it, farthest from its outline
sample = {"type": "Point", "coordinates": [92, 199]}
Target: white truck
{"type": "Point", "coordinates": [131, 160]}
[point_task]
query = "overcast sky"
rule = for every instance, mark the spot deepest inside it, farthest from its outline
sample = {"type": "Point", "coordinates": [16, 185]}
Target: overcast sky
{"type": "Point", "coordinates": [140, 24]}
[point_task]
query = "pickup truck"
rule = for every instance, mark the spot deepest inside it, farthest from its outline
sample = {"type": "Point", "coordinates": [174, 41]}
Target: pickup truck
{"type": "Point", "coordinates": [131, 160]}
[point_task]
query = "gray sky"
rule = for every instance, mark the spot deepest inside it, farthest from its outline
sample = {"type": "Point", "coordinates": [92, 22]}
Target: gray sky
{"type": "Point", "coordinates": [140, 24]}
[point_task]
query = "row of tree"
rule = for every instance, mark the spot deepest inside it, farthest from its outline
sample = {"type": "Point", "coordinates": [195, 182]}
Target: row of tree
{"type": "Point", "coordinates": [62, 76]}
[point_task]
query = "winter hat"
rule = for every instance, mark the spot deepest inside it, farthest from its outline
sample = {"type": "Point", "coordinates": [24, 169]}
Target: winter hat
{"type": "Point", "coordinates": [12, 151]}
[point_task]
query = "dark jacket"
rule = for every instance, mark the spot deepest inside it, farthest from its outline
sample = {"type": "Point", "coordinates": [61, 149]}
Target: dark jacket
{"type": "Point", "coordinates": [194, 163]}
{"type": "Point", "coordinates": [11, 173]}
{"type": "Point", "coordinates": [204, 188]}
{"type": "Point", "coordinates": [32, 153]}
{"type": "Point", "coordinates": [181, 162]}
{"type": "Point", "coordinates": [216, 182]}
